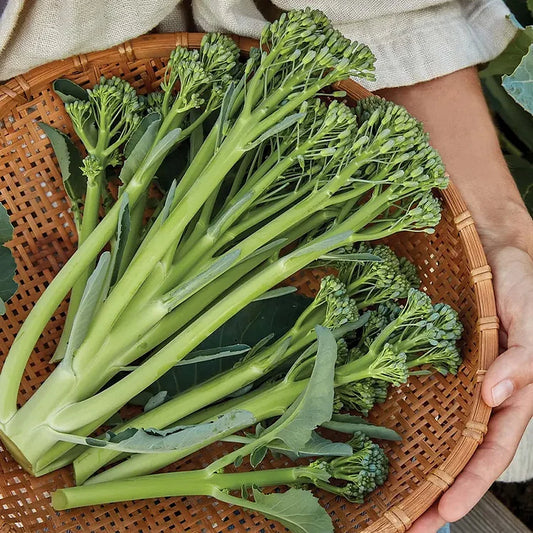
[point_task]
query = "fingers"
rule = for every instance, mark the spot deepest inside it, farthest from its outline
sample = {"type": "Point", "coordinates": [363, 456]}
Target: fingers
{"type": "Point", "coordinates": [491, 458]}
{"type": "Point", "coordinates": [509, 373]}
{"type": "Point", "coordinates": [429, 522]}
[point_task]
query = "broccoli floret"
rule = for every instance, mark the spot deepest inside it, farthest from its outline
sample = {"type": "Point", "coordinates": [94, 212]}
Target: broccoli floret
{"type": "Point", "coordinates": [361, 472]}
{"type": "Point", "coordinates": [108, 118]}
{"type": "Point", "coordinates": [373, 282]}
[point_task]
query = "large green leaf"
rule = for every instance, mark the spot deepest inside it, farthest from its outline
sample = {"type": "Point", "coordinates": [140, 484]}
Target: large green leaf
{"type": "Point", "coordinates": [297, 509]}
{"type": "Point", "coordinates": [518, 121]}
{"type": "Point", "coordinates": [123, 231]}
{"type": "Point", "coordinates": [316, 446]}
{"type": "Point", "coordinates": [140, 130]}
{"type": "Point", "coordinates": [519, 84]}
{"type": "Point", "coordinates": [140, 149]}
{"type": "Point", "coordinates": [7, 263]}
{"type": "Point", "coordinates": [314, 406]}
{"type": "Point", "coordinates": [173, 166]}
{"type": "Point", "coordinates": [70, 160]}
{"type": "Point", "coordinates": [248, 327]}
{"type": "Point", "coordinates": [69, 91]}
{"type": "Point", "coordinates": [93, 295]}
{"type": "Point", "coordinates": [508, 60]}
{"type": "Point", "coordinates": [258, 320]}
{"type": "Point", "coordinates": [134, 440]}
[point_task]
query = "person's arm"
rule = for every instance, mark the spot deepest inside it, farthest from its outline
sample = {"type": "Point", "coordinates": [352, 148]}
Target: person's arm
{"type": "Point", "coordinates": [455, 114]}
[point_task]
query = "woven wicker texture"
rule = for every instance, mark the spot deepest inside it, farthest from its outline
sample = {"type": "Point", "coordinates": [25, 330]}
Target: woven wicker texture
{"type": "Point", "coordinates": [442, 419]}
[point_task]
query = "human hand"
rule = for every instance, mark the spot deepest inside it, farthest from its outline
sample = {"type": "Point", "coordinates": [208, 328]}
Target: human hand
{"type": "Point", "coordinates": [508, 387]}
{"type": "Point", "coordinates": [455, 114]}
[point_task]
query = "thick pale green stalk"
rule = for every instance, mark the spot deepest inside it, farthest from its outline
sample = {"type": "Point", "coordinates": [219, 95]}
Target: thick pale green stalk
{"type": "Point", "coordinates": [263, 404]}
{"type": "Point", "coordinates": [128, 349]}
{"type": "Point", "coordinates": [134, 235]}
{"type": "Point", "coordinates": [195, 483]}
{"type": "Point", "coordinates": [210, 237]}
{"type": "Point", "coordinates": [113, 398]}
{"type": "Point", "coordinates": [89, 222]}
{"type": "Point", "coordinates": [144, 262]}
{"type": "Point", "coordinates": [200, 396]}
{"type": "Point", "coordinates": [36, 321]}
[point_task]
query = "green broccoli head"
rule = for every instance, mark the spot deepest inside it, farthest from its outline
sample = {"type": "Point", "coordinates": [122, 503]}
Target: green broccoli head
{"type": "Point", "coordinates": [359, 396]}
{"type": "Point", "coordinates": [361, 473]}
{"type": "Point", "coordinates": [340, 309]}
{"type": "Point", "coordinates": [108, 118]}
{"type": "Point", "coordinates": [305, 41]}
{"type": "Point", "coordinates": [373, 282]}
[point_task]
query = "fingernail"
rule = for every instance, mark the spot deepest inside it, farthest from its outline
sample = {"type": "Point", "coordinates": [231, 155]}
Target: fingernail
{"type": "Point", "coordinates": [502, 391]}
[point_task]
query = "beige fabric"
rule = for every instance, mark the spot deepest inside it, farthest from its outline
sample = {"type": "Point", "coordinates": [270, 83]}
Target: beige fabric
{"type": "Point", "coordinates": [414, 40]}
{"type": "Point", "coordinates": [55, 29]}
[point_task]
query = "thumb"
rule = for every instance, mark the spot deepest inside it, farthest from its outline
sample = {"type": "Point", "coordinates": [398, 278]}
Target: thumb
{"type": "Point", "coordinates": [511, 371]}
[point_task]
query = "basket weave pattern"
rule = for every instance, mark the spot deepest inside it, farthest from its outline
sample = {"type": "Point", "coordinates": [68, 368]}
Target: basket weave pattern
{"type": "Point", "coordinates": [442, 419]}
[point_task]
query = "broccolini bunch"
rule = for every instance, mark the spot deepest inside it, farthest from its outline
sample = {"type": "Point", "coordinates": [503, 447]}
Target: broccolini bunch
{"type": "Point", "coordinates": [265, 180]}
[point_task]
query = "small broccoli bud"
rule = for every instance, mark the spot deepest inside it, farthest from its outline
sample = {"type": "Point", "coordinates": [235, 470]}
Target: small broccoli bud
{"type": "Point", "coordinates": [362, 472]}
{"type": "Point", "coordinates": [373, 282]}
{"type": "Point", "coordinates": [444, 357]}
{"type": "Point", "coordinates": [154, 102]}
{"type": "Point", "coordinates": [108, 118]}
{"type": "Point", "coordinates": [304, 40]}
{"type": "Point", "coordinates": [219, 54]}
{"type": "Point", "coordinates": [410, 272]}
{"type": "Point", "coordinates": [339, 310]}
{"type": "Point", "coordinates": [81, 114]}
{"type": "Point", "coordinates": [378, 319]}
{"type": "Point", "coordinates": [91, 167]}
{"type": "Point", "coordinates": [358, 396]}
{"type": "Point", "coordinates": [390, 366]}
{"type": "Point", "coordinates": [424, 216]}
{"type": "Point", "coordinates": [184, 66]}
{"type": "Point", "coordinates": [342, 351]}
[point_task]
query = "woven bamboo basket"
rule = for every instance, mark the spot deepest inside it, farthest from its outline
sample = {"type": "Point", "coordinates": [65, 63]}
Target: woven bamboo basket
{"type": "Point", "coordinates": [442, 419]}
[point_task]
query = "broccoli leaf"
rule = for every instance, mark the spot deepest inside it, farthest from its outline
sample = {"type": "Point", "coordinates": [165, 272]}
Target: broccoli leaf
{"type": "Point", "coordinates": [316, 446]}
{"type": "Point", "coordinates": [69, 91]}
{"type": "Point", "coordinates": [352, 424]}
{"type": "Point", "coordinates": [93, 296]}
{"type": "Point", "coordinates": [7, 262]}
{"type": "Point", "coordinates": [514, 116]}
{"type": "Point", "coordinates": [140, 130]}
{"type": "Point", "coordinates": [134, 440]}
{"type": "Point", "coordinates": [138, 151]}
{"type": "Point", "coordinates": [123, 231]}
{"type": "Point", "coordinates": [508, 60]}
{"type": "Point", "coordinates": [70, 161]}
{"type": "Point", "coordinates": [520, 83]}
{"type": "Point", "coordinates": [260, 319]}
{"type": "Point", "coordinates": [314, 406]}
{"type": "Point", "coordinates": [296, 509]}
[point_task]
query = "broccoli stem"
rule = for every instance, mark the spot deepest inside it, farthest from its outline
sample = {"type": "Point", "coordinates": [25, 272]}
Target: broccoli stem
{"type": "Point", "coordinates": [44, 308]}
{"type": "Point", "coordinates": [134, 235]}
{"type": "Point", "coordinates": [88, 224]}
{"type": "Point", "coordinates": [114, 397]}
{"type": "Point", "coordinates": [195, 483]}
{"type": "Point", "coordinates": [264, 403]}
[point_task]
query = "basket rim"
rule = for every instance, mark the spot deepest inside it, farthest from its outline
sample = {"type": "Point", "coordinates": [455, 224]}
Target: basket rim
{"type": "Point", "coordinates": [400, 517]}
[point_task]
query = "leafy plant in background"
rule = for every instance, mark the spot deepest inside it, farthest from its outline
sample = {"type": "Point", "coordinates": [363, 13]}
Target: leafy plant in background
{"type": "Point", "coordinates": [7, 263]}
{"type": "Point", "coordinates": [508, 85]}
